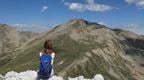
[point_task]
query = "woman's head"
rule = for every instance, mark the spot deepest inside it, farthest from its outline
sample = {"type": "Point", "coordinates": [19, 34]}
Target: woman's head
{"type": "Point", "coordinates": [48, 46]}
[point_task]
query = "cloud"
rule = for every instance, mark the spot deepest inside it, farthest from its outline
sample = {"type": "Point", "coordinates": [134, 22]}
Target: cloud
{"type": "Point", "coordinates": [90, 5]}
{"type": "Point", "coordinates": [19, 25]}
{"type": "Point", "coordinates": [134, 28]}
{"type": "Point", "coordinates": [32, 27]}
{"type": "Point", "coordinates": [138, 3]}
{"type": "Point", "coordinates": [44, 8]}
{"type": "Point", "coordinates": [75, 6]}
{"type": "Point", "coordinates": [102, 23]}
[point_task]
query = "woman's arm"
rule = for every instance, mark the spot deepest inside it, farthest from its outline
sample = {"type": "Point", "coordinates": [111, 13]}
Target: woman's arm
{"type": "Point", "coordinates": [53, 56]}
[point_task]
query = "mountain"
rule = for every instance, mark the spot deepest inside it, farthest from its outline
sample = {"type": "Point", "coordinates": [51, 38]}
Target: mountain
{"type": "Point", "coordinates": [86, 48]}
{"type": "Point", "coordinates": [11, 41]}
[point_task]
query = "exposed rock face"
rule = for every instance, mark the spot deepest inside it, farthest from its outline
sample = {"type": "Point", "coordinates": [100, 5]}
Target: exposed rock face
{"type": "Point", "coordinates": [84, 48]}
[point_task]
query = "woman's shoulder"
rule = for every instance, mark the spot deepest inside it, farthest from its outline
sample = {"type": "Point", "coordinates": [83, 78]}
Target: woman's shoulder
{"type": "Point", "coordinates": [53, 53]}
{"type": "Point", "coordinates": [41, 53]}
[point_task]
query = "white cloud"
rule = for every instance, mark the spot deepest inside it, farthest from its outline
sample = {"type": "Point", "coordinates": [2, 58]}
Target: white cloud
{"type": "Point", "coordinates": [130, 1]}
{"type": "Point", "coordinates": [102, 23]}
{"type": "Point", "coordinates": [90, 1]}
{"type": "Point", "coordinates": [20, 25]}
{"type": "Point", "coordinates": [44, 8]}
{"type": "Point", "coordinates": [105, 24]}
{"type": "Point", "coordinates": [32, 27]}
{"type": "Point", "coordinates": [90, 5]}
{"type": "Point", "coordinates": [134, 28]}
{"type": "Point", "coordinates": [75, 6]}
{"type": "Point", "coordinates": [138, 3]}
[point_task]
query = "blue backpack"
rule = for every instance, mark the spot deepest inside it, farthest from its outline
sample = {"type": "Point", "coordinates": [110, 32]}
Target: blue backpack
{"type": "Point", "coordinates": [45, 66]}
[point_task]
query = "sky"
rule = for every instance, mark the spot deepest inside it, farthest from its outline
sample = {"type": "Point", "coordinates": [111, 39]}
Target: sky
{"type": "Point", "coordinates": [127, 14]}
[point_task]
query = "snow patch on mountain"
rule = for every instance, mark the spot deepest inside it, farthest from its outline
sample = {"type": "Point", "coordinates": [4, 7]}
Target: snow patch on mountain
{"type": "Point", "coordinates": [32, 75]}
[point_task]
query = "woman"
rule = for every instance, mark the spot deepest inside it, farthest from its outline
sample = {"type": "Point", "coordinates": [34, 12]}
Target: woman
{"type": "Point", "coordinates": [46, 61]}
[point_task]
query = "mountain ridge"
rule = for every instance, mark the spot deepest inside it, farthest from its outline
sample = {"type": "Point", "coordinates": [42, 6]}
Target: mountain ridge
{"type": "Point", "coordinates": [85, 48]}
{"type": "Point", "coordinates": [12, 41]}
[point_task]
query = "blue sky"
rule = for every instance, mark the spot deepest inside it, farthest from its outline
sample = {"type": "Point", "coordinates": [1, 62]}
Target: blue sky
{"type": "Point", "coordinates": [127, 14]}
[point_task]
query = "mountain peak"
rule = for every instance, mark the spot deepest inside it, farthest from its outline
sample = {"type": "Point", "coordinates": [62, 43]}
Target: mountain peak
{"type": "Point", "coordinates": [78, 24]}
{"type": "Point", "coordinates": [78, 20]}
{"type": "Point", "coordinates": [81, 21]}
